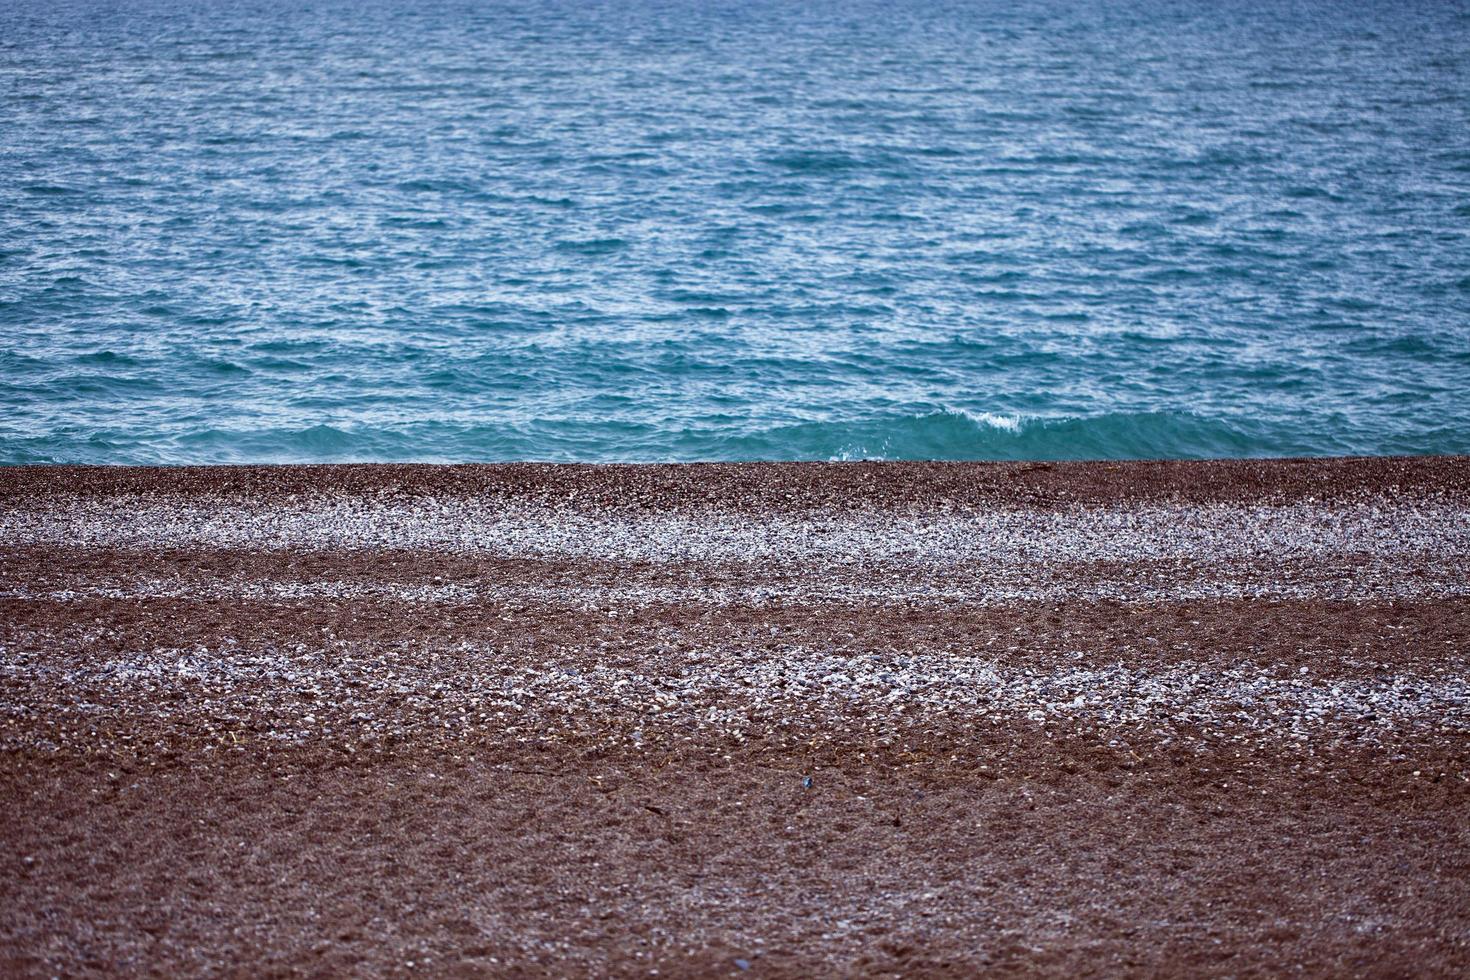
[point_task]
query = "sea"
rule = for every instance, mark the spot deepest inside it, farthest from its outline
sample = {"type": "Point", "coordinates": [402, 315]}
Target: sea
{"type": "Point", "coordinates": [242, 231]}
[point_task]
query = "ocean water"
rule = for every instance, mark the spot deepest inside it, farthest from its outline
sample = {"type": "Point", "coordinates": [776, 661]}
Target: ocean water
{"type": "Point", "coordinates": [681, 230]}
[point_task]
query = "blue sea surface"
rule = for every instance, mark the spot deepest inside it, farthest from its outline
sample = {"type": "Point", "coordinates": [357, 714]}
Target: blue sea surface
{"type": "Point", "coordinates": [681, 230]}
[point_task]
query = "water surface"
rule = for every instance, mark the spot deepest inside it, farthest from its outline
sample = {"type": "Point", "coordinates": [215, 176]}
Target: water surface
{"type": "Point", "coordinates": [681, 230]}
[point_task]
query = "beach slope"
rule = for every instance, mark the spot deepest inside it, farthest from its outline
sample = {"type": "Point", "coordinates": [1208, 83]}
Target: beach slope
{"type": "Point", "coordinates": [748, 719]}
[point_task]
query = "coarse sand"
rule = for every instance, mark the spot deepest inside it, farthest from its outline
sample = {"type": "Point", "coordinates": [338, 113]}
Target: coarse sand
{"type": "Point", "coordinates": [749, 719]}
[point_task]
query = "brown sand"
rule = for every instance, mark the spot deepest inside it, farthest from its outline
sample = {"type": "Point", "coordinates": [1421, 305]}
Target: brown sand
{"type": "Point", "coordinates": [765, 720]}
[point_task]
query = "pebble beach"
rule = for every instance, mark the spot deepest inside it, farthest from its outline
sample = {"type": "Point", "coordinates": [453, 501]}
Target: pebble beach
{"type": "Point", "coordinates": [737, 719]}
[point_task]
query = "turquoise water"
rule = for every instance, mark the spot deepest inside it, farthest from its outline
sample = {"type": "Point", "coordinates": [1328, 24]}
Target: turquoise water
{"type": "Point", "coordinates": [645, 230]}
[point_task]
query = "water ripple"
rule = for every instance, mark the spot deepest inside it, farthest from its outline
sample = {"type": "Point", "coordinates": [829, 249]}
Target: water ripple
{"type": "Point", "coordinates": [657, 230]}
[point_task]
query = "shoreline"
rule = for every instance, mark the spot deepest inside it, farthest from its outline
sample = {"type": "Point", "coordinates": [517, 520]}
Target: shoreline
{"type": "Point", "coordinates": [783, 485]}
{"type": "Point", "coordinates": [867, 718]}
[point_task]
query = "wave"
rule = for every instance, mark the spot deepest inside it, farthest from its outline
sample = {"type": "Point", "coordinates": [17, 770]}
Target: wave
{"type": "Point", "coordinates": [958, 434]}
{"type": "Point", "coordinates": [933, 435]}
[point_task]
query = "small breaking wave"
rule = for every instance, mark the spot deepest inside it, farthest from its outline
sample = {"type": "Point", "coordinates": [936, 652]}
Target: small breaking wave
{"type": "Point", "coordinates": [960, 434]}
{"type": "Point", "coordinates": [949, 434]}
